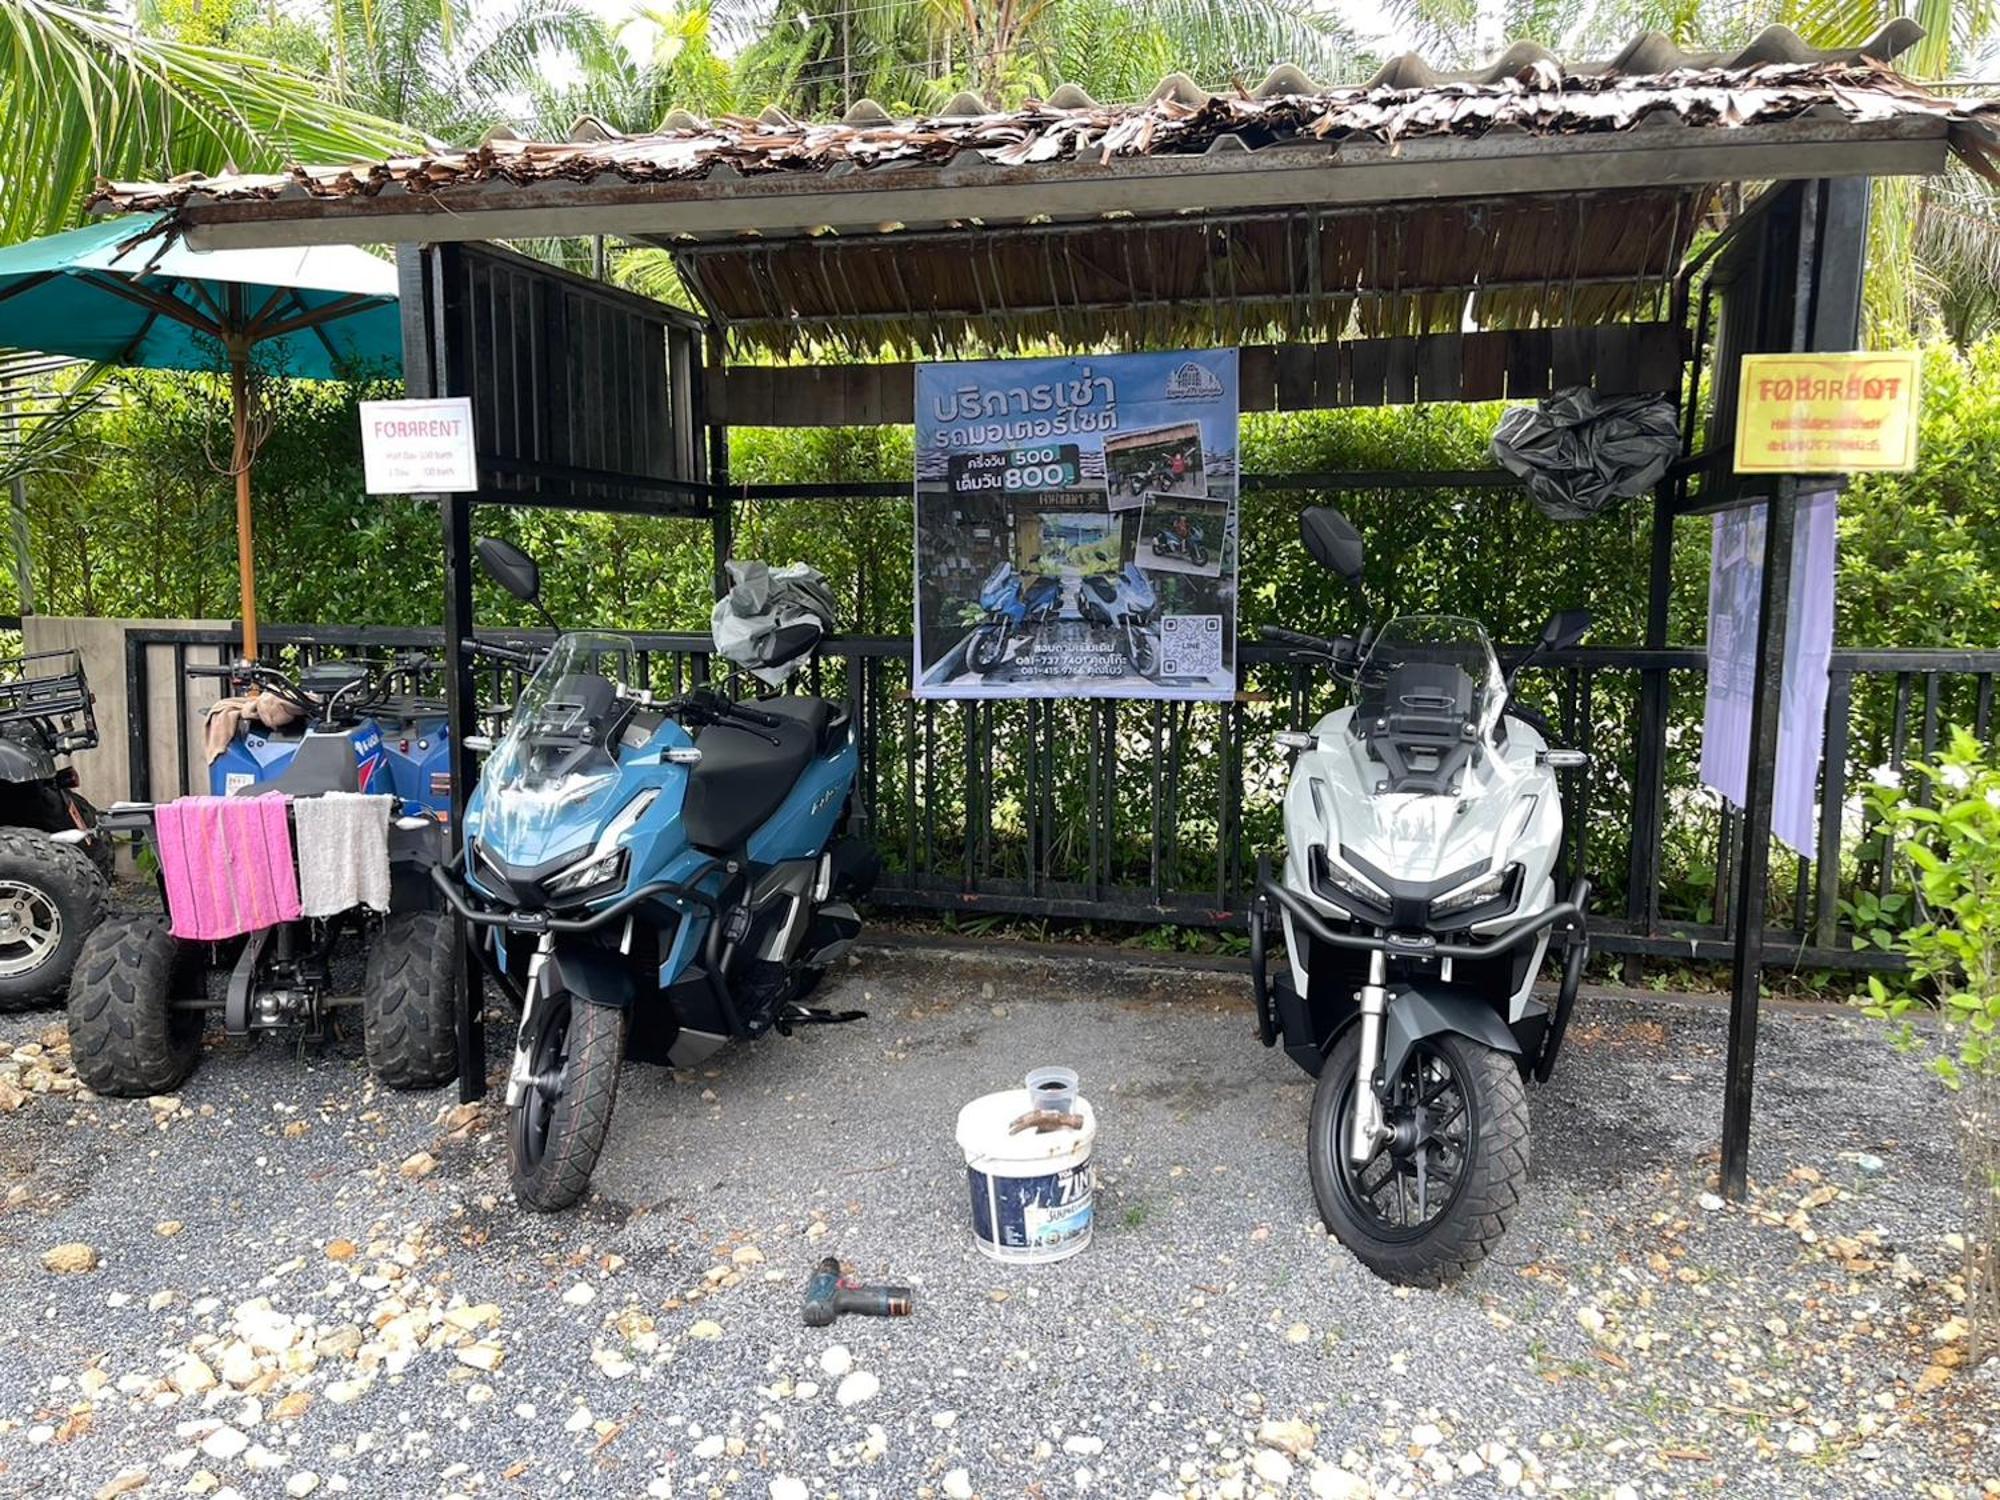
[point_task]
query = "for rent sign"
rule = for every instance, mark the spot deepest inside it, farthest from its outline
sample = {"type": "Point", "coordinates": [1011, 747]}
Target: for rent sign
{"type": "Point", "coordinates": [418, 447]}
{"type": "Point", "coordinates": [1827, 413]}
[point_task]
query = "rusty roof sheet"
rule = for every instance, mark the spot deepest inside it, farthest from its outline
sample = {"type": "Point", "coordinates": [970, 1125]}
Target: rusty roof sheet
{"type": "Point", "coordinates": [1528, 90]}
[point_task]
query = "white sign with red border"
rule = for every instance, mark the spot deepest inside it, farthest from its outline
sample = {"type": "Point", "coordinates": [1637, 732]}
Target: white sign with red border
{"type": "Point", "coordinates": [418, 447]}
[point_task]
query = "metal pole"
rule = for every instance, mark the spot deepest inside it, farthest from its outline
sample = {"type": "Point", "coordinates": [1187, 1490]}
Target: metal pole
{"type": "Point", "coordinates": [1767, 703]}
{"type": "Point", "coordinates": [239, 463]}
{"type": "Point", "coordinates": [421, 282]}
{"type": "Point", "coordinates": [720, 518]}
{"type": "Point", "coordinates": [24, 569]}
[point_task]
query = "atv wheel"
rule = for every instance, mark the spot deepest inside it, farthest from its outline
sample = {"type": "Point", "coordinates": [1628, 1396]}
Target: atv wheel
{"type": "Point", "coordinates": [408, 1002]}
{"type": "Point", "coordinates": [51, 896]}
{"type": "Point", "coordinates": [1433, 1200]}
{"type": "Point", "coordinates": [124, 1036]}
{"type": "Point", "coordinates": [555, 1133]}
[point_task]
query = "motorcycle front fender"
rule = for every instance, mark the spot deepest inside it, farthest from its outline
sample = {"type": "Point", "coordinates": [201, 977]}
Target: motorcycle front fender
{"type": "Point", "coordinates": [595, 975]}
{"type": "Point", "coordinates": [1436, 1009]}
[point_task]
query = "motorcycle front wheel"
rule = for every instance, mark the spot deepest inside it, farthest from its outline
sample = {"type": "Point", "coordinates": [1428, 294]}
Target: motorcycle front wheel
{"type": "Point", "coordinates": [555, 1133]}
{"type": "Point", "coordinates": [1144, 654]}
{"type": "Point", "coordinates": [1435, 1198]}
{"type": "Point", "coordinates": [988, 644]}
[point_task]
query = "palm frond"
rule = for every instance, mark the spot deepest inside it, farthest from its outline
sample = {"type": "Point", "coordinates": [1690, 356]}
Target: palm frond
{"type": "Point", "coordinates": [87, 96]}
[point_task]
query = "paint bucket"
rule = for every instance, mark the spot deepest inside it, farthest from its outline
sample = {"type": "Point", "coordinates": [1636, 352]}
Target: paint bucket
{"type": "Point", "coordinates": [1031, 1193]}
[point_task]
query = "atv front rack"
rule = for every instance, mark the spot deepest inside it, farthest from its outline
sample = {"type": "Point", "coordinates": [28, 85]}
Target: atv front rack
{"type": "Point", "coordinates": [49, 686]}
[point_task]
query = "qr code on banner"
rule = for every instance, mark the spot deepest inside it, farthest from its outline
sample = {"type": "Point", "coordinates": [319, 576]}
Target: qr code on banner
{"type": "Point", "coordinates": [1191, 646]}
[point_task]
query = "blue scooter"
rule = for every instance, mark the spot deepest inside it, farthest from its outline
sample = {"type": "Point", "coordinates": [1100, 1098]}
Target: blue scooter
{"type": "Point", "coordinates": [668, 870]}
{"type": "Point", "coordinates": [1013, 602]}
{"type": "Point", "coordinates": [400, 744]}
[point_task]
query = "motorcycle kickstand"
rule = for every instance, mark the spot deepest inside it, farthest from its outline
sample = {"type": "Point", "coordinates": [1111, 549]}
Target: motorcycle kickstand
{"type": "Point", "coordinates": [814, 1015]}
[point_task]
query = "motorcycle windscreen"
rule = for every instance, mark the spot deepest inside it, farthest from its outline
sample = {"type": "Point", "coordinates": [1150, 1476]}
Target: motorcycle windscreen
{"type": "Point", "coordinates": [550, 781]}
{"type": "Point", "coordinates": [1432, 669]}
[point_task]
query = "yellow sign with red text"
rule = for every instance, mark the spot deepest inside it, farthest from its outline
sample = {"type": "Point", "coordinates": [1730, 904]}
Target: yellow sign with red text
{"type": "Point", "coordinates": [1827, 413]}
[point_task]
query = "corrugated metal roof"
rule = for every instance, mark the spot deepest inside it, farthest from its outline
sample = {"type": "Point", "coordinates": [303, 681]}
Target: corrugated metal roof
{"type": "Point", "coordinates": [1528, 89]}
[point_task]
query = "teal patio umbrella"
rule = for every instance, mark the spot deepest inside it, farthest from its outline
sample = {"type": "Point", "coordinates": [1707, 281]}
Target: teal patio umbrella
{"type": "Point", "coordinates": [120, 292]}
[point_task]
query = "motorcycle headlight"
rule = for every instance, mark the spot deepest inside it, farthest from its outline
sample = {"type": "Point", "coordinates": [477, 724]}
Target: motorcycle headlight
{"type": "Point", "coordinates": [1494, 887]}
{"type": "Point", "coordinates": [589, 874]}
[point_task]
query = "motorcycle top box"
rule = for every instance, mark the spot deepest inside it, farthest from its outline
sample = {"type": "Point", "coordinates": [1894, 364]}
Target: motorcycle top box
{"type": "Point", "coordinates": [1418, 902]}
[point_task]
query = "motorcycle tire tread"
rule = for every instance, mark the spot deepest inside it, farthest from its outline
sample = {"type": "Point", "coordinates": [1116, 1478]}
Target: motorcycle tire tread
{"type": "Point", "coordinates": [1473, 1225]}
{"type": "Point", "coordinates": [408, 1024]}
{"type": "Point", "coordinates": [125, 1038]}
{"type": "Point", "coordinates": [74, 884]}
{"type": "Point", "coordinates": [576, 1135]}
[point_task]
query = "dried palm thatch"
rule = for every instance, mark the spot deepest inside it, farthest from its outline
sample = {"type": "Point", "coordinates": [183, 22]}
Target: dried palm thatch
{"type": "Point", "coordinates": [1405, 266]}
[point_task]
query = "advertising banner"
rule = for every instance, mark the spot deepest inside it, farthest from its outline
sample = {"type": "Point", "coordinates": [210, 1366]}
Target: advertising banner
{"type": "Point", "coordinates": [1827, 413]}
{"type": "Point", "coordinates": [1735, 584]}
{"type": "Point", "coordinates": [1076, 527]}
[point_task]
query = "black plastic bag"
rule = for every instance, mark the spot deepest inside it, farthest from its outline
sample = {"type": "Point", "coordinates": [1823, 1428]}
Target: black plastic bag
{"type": "Point", "coordinates": [1581, 453]}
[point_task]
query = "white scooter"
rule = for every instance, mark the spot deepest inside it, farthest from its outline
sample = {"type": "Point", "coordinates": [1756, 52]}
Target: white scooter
{"type": "Point", "coordinates": [1418, 902]}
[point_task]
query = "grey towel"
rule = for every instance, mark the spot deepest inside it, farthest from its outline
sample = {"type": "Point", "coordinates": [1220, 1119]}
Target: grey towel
{"type": "Point", "coordinates": [342, 839]}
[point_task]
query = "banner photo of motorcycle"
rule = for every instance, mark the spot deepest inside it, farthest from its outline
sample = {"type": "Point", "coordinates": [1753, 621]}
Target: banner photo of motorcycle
{"type": "Point", "coordinates": [1076, 527]}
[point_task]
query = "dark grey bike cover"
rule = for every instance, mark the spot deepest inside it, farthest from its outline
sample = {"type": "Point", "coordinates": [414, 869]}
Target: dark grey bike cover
{"type": "Point", "coordinates": [1582, 453]}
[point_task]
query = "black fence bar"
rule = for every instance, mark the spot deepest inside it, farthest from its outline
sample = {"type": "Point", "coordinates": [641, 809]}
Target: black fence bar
{"type": "Point", "coordinates": [1140, 811]}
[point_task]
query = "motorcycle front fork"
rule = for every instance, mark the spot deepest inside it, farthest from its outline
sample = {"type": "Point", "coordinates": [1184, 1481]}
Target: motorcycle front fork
{"type": "Point", "coordinates": [1370, 1130]}
{"type": "Point", "coordinates": [521, 1075]}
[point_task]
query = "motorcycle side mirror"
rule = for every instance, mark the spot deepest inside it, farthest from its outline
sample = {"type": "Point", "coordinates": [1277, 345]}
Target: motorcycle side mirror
{"type": "Point", "coordinates": [1565, 628]}
{"type": "Point", "coordinates": [1333, 542]}
{"type": "Point", "coordinates": [510, 567]}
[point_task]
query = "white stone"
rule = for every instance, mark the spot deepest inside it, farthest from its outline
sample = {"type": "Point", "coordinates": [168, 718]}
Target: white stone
{"type": "Point", "coordinates": [958, 1485]}
{"type": "Point", "coordinates": [1272, 1467]}
{"type": "Point", "coordinates": [224, 1443]}
{"type": "Point", "coordinates": [834, 1360]}
{"type": "Point", "coordinates": [943, 1419]}
{"type": "Point", "coordinates": [302, 1484]}
{"type": "Point", "coordinates": [856, 1388]}
{"type": "Point", "coordinates": [786, 1488]}
{"type": "Point", "coordinates": [1082, 1445]}
{"type": "Point", "coordinates": [1331, 1482]}
{"type": "Point", "coordinates": [1803, 1441]}
{"type": "Point", "coordinates": [580, 1295]}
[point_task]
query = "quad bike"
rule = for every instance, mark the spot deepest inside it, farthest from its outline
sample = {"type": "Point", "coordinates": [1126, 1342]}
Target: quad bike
{"type": "Point", "coordinates": [54, 862]}
{"type": "Point", "coordinates": [666, 872]}
{"type": "Point", "coordinates": [1417, 903]}
{"type": "Point", "coordinates": [1014, 603]}
{"type": "Point", "coordinates": [139, 1000]}
{"type": "Point", "coordinates": [1124, 603]}
{"type": "Point", "coordinates": [1171, 546]}
{"type": "Point", "coordinates": [402, 742]}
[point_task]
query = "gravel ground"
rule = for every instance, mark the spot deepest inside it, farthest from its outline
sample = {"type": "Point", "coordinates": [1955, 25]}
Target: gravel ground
{"type": "Point", "coordinates": [305, 1285]}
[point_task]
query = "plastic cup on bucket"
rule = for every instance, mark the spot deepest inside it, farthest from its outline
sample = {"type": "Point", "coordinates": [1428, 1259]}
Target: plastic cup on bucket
{"type": "Point", "coordinates": [1053, 1088]}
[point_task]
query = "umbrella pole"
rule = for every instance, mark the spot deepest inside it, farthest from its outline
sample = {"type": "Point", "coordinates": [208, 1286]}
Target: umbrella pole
{"type": "Point", "coordinates": [246, 568]}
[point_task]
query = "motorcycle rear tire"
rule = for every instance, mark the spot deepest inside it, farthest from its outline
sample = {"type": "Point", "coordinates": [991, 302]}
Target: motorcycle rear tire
{"type": "Point", "coordinates": [550, 1159]}
{"type": "Point", "coordinates": [1145, 653]}
{"type": "Point", "coordinates": [1495, 1167]}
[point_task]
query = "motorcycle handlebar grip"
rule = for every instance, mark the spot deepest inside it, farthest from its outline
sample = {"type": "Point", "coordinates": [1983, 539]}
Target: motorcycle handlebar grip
{"type": "Point", "coordinates": [206, 671]}
{"type": "Point", "coordinates": [1279, 636]}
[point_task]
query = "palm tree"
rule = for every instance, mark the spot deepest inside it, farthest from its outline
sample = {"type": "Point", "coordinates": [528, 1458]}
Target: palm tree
{"type": "Point", "coordinates": [820, 56]}
{"type": "Point", "coordinates": [453, 68]}
{"type": "Point", "coordinates": [84, 95]}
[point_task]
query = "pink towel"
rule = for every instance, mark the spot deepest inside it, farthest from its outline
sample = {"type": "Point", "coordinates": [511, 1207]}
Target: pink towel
{"type": "Point", "coordinates": [227, 865]}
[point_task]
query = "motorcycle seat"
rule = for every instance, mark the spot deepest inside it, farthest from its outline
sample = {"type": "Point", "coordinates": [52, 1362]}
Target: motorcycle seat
{"type": "Point", "coordinates": [742, 778]}
{"type": "Point", "coordinates": [322, 763]}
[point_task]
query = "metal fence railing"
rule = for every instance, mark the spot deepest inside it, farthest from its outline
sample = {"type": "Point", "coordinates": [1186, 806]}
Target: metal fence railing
{"type": "Point", "coordinates": [1155, 812]}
